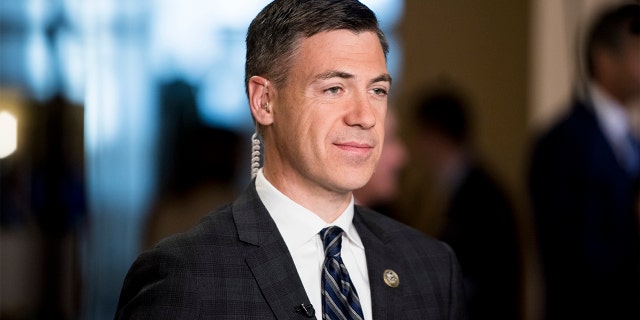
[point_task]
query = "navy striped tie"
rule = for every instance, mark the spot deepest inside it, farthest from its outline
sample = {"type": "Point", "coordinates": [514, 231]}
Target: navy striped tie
{"type": "Point", "coordinates": [339, 297]}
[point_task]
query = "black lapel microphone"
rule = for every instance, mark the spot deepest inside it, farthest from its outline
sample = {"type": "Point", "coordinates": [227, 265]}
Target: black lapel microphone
{"type": "Point", "coordinates": [306, 310]}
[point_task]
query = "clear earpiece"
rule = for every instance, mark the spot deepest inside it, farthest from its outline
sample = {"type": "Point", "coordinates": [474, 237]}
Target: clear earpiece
{"type": "Point", "coordinates": [255, 155]}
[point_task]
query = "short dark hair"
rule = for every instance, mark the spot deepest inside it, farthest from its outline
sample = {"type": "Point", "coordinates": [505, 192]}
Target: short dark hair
{"type": "Point", "coordinates": [610, 31]}
{"type": "Point", "coordinates": [444, 110]}
{"type": "Point", "coordinates": [274, 34]}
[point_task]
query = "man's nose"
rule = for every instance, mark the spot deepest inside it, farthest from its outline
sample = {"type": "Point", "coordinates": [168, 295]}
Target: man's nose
{"type": "Point", "coordinates": [361, 113]}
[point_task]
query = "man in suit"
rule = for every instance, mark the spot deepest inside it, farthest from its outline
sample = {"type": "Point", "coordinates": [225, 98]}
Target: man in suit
{"type": "Point", "coordinates": [584, 184]}
{"type": "Point", "coordinates": [317, 84]}
{"type": "Point", "coordinates": [476, 212]}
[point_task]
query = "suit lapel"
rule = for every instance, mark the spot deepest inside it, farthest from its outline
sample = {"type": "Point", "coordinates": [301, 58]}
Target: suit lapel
{"type": "Point", "coordinates": [270, 262]}
{"type": "Point", "coordinates": [602, 153]}
{"type": "Point", "coordinates": [386, 301]}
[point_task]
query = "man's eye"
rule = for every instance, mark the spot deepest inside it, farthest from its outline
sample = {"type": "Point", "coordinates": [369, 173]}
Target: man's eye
{"type": "Point", "coordinates": [380, 92]}
{"type": "Point", "coordinates": [333, 90]}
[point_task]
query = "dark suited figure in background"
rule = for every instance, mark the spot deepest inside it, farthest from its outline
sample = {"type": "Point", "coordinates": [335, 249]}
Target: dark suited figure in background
{"type": "Point", "coordinates": [194, 175]}
{"type": "Point", "coordinates": [584, 183]}
{"type": "Point", "coordinates": [477, 218]}
{"type": "Point", "coordinates": [317, 83]}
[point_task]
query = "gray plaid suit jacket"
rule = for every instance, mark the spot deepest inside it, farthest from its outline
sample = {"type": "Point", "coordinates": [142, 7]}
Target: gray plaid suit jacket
{"type": "Point", "coordinates": [235, 265]}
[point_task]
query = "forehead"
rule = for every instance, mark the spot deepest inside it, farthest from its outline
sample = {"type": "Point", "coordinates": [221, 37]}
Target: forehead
{"type": "Point", "coordinates": [342, 50]}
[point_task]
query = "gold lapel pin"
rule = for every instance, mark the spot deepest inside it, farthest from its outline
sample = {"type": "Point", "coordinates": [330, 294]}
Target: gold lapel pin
{"type": "Point", "coordinates": [391, 278]}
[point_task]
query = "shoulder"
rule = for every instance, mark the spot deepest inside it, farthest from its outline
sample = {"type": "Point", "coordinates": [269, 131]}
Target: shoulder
{"type": "Point", "coordinates": [214, 243]}
{"type": "Point", "coordinates": [185, 249]}
{"type": "Point", "coordinates": [428, 267]}
{"type": "Point", "coordinates": [568, 142]}
{"type": "Point", "coordinates": [216, 227]}
{"type": "Point", "coordinates": [402, 236]}
{"type": "Point", "coordinates": [576, 128]}
{"type": "Point", "coordinates": [481, 187]}
{"type": "Point", "coordinates": [182, 252]}
{"type": "Point", "coordinates": [170, 276]}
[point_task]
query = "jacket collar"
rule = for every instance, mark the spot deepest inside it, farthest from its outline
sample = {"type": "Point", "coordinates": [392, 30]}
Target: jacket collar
{"type": "Point", "coordinates": [270, 261]}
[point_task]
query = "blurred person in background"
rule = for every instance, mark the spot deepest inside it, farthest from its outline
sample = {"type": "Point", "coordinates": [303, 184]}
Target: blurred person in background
{"type": "Point", "coordinates": [584, 183]}
{"type": "Point", "coordinates": [475, 214]}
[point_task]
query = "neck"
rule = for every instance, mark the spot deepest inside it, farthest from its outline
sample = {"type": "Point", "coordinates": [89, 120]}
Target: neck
{"type": "Point", "coordinates": [624, 99]}
{"type": "Point", "coordinates": [326, 204]}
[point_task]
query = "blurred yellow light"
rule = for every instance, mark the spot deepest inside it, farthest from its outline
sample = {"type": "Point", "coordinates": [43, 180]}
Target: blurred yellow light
{"type": "Point", "coordinates": [8, 134]}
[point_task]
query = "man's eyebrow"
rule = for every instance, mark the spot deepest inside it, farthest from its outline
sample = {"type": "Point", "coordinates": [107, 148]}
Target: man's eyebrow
{"type": "Point", "coordinates": [345, 75]}
{"type": "Point", "coordinates": [383, 77]}
{"type": "Point", "coordinates": [333, 74]}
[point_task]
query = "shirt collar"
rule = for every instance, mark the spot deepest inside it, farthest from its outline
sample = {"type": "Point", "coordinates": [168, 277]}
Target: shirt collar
{"type": "Point", "coordinates": [297, 224]}
{"type": "Point", "coordinates": [613, 116]}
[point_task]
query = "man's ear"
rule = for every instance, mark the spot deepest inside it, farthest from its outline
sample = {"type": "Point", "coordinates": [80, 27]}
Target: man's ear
{"type": "Point", "coordinates": [260, 100]}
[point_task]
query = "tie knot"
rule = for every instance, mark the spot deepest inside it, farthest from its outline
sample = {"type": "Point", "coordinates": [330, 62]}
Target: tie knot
{"type": "Point", "coordinates": [331, 240]}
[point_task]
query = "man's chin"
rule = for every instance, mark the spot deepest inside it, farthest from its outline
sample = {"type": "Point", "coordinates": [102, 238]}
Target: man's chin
{"type": "Point", "coordinates": [356, 184]}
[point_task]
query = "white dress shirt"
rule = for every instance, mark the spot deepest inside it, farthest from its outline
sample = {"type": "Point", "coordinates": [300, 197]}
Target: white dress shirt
{"type": "Point", "coordinates": [614, 120]}
{"type": "Point", "coordinates": [300, 227]}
